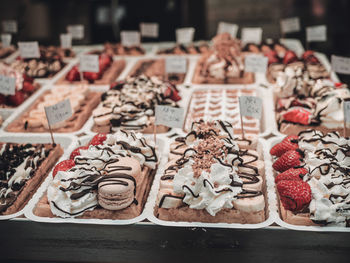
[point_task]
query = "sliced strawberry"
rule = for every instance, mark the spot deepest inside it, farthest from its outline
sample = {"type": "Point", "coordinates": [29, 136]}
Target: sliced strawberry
{"type": "Point", "coordinates": [288, 160]}
{"type": "Point", "coordinates": [298, 115]}
{"type": "Point", "coordinates": [290, 57]}
{"type": "Point", "coordinates": [307, 54]}
{"type": "Point", "coordinates": [117, 85]}
{"type": "Point", "coordinates": [292, 174]}
{"type": "Point", "coordinates": [98, 139]}
{"type": "Point", "coordinates": [28, 87]}
{"type": "Point", "coordinates": [16, 99]}
{"type": "Point", "coordinates": [27, 78]}
{"type": "Point", "coordinates": [288, 143]}
{"type": "Point", "coordinates": [295, 195]}
{"type": "Point", "coordinates": [338, 84]}
{"type": "Point", "coordinates": [73, 74]}
{"type": "Point", "coordinates": [91, 76]}
{"type": "Point", "coordinates": [272, 56]}
{"type": "Point", "coordinates": [2, 99]}
{"type": "Point", "coordinates": [310, 58]}
{"type": "Point", "coordinates": [63, 166]}
{"type": "Point", "coordinates": [76, 152]}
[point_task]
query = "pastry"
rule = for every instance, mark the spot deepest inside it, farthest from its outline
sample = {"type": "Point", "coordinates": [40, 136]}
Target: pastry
{"type": "Point", "coordinates": [181, 49]}
{"type": "Point", "coordinates": [212, 178]}
{"type": "Point", "coordinates": [312, 178]}
{"type": "Point", "coordinates": [108, 179]}
{"type": "Point", "coordinates": [82, 101]}
{"type": "Point", "coordinates": [130, 105]}
{"type": "Point", "coordinates": [57, 52]}
{"type": "Point", "coordinates": [6, 51]}
{"type": "Point", "coordinates": [117, 49]}
{"type": "Point", "coordinates": [23, 168]}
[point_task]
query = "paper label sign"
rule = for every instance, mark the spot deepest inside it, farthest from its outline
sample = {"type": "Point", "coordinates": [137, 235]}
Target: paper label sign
{"type": "Point", "coordinates": [255, 63]}
{"type": "Point", "coordinates": [29, 49]}
{"type": "Point", "coordinates": [250, 106]}
{"type": "Point", "coordinates": [290, 25]}
{"type": "Point", "coordinates": [66, 40]}
{"type": "Point", "coordinates": [10, 26]}
{"type": "Point", "coordinates": [149, 29]}
{"type": "Point", "coordinates": [58, 112]}
{"type": "Point", "coordinates": [224, 27]}
{"type": "Point", "coordinates": [346, 106]}
{"type": "Point", "coordinates": [169, 116]}
{"type": "Point", "coordinates": [185, 35]}
{"type": "Point", "coordinates": [7, 85]}
{"type": "Point", "coordinates": [89, 63]}
{"type": "Point", "coordinates": [340, 64]}
{"type": "Point", "coordinates": [77, 31]}
{"type": "Point", "coordinates": [316, 33]}
{"type": "Point", "coordinates": [252, 35]}
{"type": "Point", "coordinates": [6, 40]}
{"type": "Point", "coordinates": [175, 65]}
{"type": "Point", "coordinates": [130, 38]}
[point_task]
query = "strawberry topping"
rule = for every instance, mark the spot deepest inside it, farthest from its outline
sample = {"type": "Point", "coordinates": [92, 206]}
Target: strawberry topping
{"type": "Point", "coordinates": [63, 166]}
{"type": "Point", "coordinates": [288, 143]}
{"type": "Point", "coordinates": [298, 115]}
{"type": "Point", "coordinates": [98, 139]}
{"type": "Point", "coordinates": [288, 160]}
{"type": "Point", "coordinates": [292, 174]}
{"type": "Point", "coordinates": [294, 195]}
{"type": "Point", "coordinates": [76, 152]}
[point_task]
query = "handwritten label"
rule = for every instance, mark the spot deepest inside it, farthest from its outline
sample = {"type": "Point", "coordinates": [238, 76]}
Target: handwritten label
{"type": "Point", "coordinates": [255, 63]}
{"type": "Point", "coordinates": [29, 49]}
{"type": "Point", "coordinates": [340, 64]}
{"type": "Point", "coordinates": [6, 40]}
{"type": "Point", "coordinates": [58, 112]}
{"type": "Point", "coordinates": [252, 35]}
{"type": "Point", "coordinates": [289, 25]}
{"type": "Point", "coordinates": [89, 63]}
{"type": "Point", "coordinates": [250, 106]}
{"type": "Point", "coordinates": [149, 29]}
{"type": "Point", "coordinates": [175, 65]}
{"type": "Point", "coordinates": [7, 85]}
{"type": "Point", "coordinates": [66, 40]}
{"type": "Point", "coordinates": [130, 38]}
{"type": "Point", "coordinates": [77, 31]}
{"type": "Point", "coordinates": [346, 106]}
{"type": "Point", "coordinates": [10, 26]}
{"type": "Point", "coordinates": [224, 27]}
{"type": "Point", "coordinates": [185, 35]}
{"type": "Point", "coordinates": [169, 116]}
{"type": "Point", "coordinates": [316, 33]}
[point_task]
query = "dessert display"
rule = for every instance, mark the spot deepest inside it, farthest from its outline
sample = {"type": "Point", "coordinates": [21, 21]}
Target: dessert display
{"type": "Point", "coordinates": [130, 105]}
{"type": "Point", "coordinates": [181, 49]}
{"type": "Point", "coordinates": [156, 68]}
{"type": "Point", "coordinates": [212, 177]}
{"type": "Point", "coordinates": [110, 178]}
{"type": "Point", "coordinates": [58, 52]}
{"type": "Point", "coordinates": [25, 87]}
{"type": "Point", "coordinates": [223, 64]}
{"type": "Point", "coordinates": [23, 168]}
{"type": "Point", "coordinates": [117, 49]}
{"type": "Point", "coordinates": [109, 70]}
{"type": "Point", "coordinates": [82, 101]}
{"type": "Point", "coordinates": [312, 178]}
{"type": "Point", "coordinates": [6, 51]}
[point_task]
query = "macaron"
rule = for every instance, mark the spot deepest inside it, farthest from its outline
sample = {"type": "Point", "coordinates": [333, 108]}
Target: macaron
{"type": "Point", "coordinates": [125, 165]}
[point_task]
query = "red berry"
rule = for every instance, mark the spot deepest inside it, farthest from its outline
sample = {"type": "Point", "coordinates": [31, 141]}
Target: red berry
{"type": "Point", "coordinates": [63, 166]}
{"type": "Point", "coordinates": [28, 87]}
{"type": "Point", "coordinates": [292, 174]}
{"type": "Point", "coordinates": [338, 84]}
{"type": "Point", "coordinates": [16, 99]}
{"type": "Point", "coordinates": [76, 152]}
{"type": "Point", "coordinates": [91, 76]}
{"type": "Point", "coordinates": [288, 143]}
{"type": "Point", "coordinates": [290, 57]}
{"type": "Point", "coordinates": [298, 115]}
{"type": "Point", "coordinates": [98, 139]}
{"type": "Point", "coordinates": [73, 74]}
{"type": "Point", "coordinates": [288, 160]}
{"type": "Point", "coordinates": [2, 99]}
{"type": "Point", "coordinates": [27, 78]}
{"type": "Point", "coordinates": [310, 58]}
{"type": "Point", "coordinates": [294, 195]}
{"type": "Point", "coordinates": [272, 57]}
{"type": "Point", "coordinates": [117, 85]}
{"type": "Point", "coordinates": [172, 93]}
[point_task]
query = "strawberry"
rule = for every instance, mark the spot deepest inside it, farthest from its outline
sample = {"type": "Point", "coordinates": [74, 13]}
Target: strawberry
{"type": "Point", "coordinates": [288, 143]}
{"type": "Point", "coordinates": [63, 166]}
{"type": "Point", "coordinates": [76, 152]}
{"type": "Point", "coordinates": [117, 85]}
{"type": "Point", "coordinates": [292, 174]}
{"type": "Point", "coordinates": [307, 54]}
{"type": "Point", "coordinates": [98, 139]}
{"type": "Point", "coordinates": [16, 99]}
{"type": "Point", "coordinates": [172, 93]}
{"type": "Point", "coordinates": [73, 74]}
{"type": "Point", "coordinates": [104, 61]}
{"type": "Point", "coordinates": [272, 56]}
{"type": "Point", "coordinates": [289, 57]}
{"type": "Point", "coordinates": [2, 99]}
{"type": "Point", "coordinates": [27, 78]}
{"type": "Point", "coordinates": [91, 76]}
{"type": "Point", "coordinates": [295, 195]}
{"type": "Point", "coordinates": [298, 115]}
{"type": "Point", "coordinates": [338, 84]}
{"type": "Point", "coordinates": [310, 58]}
{"type": "Point", "coordinates": [28, 87]}
{"type": "Point", "coordinates": [288, 160]}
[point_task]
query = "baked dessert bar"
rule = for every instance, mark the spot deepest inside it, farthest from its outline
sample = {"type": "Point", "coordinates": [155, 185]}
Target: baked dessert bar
{"type": "Point", "coordinates": [117, 49]}
{"type": "Point", "coordinates": [6, 51]}
{"type": "Point", "coordinates": [180, 49]}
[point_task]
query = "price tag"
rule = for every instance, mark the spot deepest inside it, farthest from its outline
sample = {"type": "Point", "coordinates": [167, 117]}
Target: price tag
{"type": "Point", "coordinates": [130, 38]}
{"type": "Point", "coordinates": [149, 29]}
{"type": "Point", "coordinates": [252, 35]}
{"type": "Point", "coordinates": [224, 27]}
{"type": "Point", "coordinates": [77, 31]}
{"type": "Point", "coordinates": [10, 26]}
{"type": "Point", "coordinates": [58, 112]}
{"type": "Point", "coordinates": [6, 40]}
{"type": "Point", "coordinates": [7, 85]}
{"type": "Point", "coordinates": [175, 65]}
{"type": "Point", "coordinates": [290, 25]}
{"type": "Point", "coordinates": [89, 63]}
{"type": "Point", "coordinates": [316, 33]}
{"type": "Point", "coordinates": [340, 64]}
{"type": "Point", "coordinates": [346, 106]}
{"type": "Point", "coordinates": [185, 35]}
{"type": "Point", "coordinates": [250, 106]}
{"type": "Point", "coordinates": [29, 49]}
{"type": "Point", "coordinates": [255, 63]}
{"type": "Point", "coordinates": [66, 40]}
{"type": "Point", "coordinates": [169, 116]}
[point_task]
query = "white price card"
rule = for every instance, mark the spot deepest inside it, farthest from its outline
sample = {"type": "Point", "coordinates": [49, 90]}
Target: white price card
{"type": "Point", "coordinates": [77, 31]}
{"type": "Point", "coordinates": [58, 112]}
{"type": "Point", "coordinates": [29, 49]}
{"type": "Point", "coordinates": [346, 104]}
{"type": "Point", "coordinates": [7, 85]}
{"type": "Point", "coordinates": [175, 65]}
{"type": "Point", "coordinates": [289, 25]}
{"type": "Point", "coordinates": [89, 63]}
{"type": "Point", "coordinates": [185, 35]}
{"type": "Point", "coordinates": [66, 40]}
{"type": "Point", "coordinates": [10, 26]}
{"type": "Point", "coordinates": [316, 33]}
{"type": "Point", "coordinates": [6, 40]}
{"type": "Point", "coordinates": [224, 27]}
{"type": "Point", "coordinates": [250, 106]}
{"type": "Point", "coordinates": [255, 63]}
{"type": "Point", "coordinates": [149, 29]}
{"type": "Point", "coordinates": [252, 35]}
{"type": "Point", "coordinates": [130, 38]}
{"type": "Point", "coordinates": [340, 64]}
{"type": "Point", "coordinates": [169, 116]}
